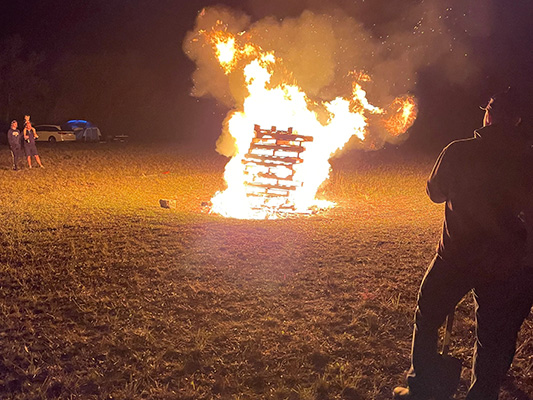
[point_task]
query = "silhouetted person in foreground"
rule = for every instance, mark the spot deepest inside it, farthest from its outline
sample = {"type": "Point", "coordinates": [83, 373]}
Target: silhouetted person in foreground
{"type": "Point", "coordinates": [29, 144]}
{"type": "Point", "coordinates": [486, 182]}
{"type": "Point", "coordinates": [14, 138]}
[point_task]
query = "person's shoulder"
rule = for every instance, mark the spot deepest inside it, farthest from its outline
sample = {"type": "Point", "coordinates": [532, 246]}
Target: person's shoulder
{"type": "Point", "coordinates": [460, 143]}
{"type": "Point", "coordinates": [460, 146]}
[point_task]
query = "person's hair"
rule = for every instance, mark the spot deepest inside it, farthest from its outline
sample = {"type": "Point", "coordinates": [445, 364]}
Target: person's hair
{"type": "Point", "coordinates": [14, 121]}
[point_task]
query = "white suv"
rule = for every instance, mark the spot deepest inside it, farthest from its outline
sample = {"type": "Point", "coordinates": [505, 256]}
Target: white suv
{"type": "Point", "coordinates": [54, 133]}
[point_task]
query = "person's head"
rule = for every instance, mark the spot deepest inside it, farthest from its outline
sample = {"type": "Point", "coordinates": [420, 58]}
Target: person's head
{"type": "Point", "coordinates": [28, 125]}
{"type": "Point", "coordinates": [503, 109]}
{"type": "Point", "coordinates": [26, 118]}
{"type": "Point", "coordinates": [14, 124]}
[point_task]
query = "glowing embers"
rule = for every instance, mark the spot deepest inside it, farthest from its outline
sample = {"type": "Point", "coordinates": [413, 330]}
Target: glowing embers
{"type": "Point", "coordinates": [270, 167]}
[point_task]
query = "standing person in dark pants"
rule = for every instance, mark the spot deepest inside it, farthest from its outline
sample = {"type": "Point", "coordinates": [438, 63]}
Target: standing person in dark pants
{"type": "Point", "coordinates": [29, 144]}
{"type": "Point", "coordinates": [14, 139]}
{"type": "Point", "coordinates": [487, 184]}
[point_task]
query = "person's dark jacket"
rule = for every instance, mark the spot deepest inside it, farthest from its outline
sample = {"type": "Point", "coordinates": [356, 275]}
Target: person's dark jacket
{"type": "Point", "coordinates": [486, 182]}
{"type": "Point", "coordinates": [14, 139]}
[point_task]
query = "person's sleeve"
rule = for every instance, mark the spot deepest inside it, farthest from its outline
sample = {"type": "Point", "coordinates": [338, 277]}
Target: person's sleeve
{"type": "Point", "coordinates": [438, 184]}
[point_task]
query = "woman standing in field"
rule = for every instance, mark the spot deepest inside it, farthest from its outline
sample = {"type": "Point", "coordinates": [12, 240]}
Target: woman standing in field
{"type": "Point", "coordinates": [29, 144]}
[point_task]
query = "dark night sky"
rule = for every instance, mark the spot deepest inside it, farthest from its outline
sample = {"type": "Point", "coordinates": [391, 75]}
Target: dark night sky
{"type": "Point", "coordinates": [152, 32]}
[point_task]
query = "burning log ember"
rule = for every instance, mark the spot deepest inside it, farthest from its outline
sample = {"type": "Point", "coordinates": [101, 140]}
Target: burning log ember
{"type": "Point", "coordinates": [270, 168]}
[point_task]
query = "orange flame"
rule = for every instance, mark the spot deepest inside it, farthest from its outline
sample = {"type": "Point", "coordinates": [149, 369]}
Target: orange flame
{"type": "Point", "coordinates": [285, 105]}
{"type": "Point", "coordinates": [402, 115]}
{"type": "Point", "coordinates": [228, 52]}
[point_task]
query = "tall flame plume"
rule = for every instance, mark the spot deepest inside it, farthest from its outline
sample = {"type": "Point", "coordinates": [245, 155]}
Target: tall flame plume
{"type": "Point", "coordinates": [272, 101]}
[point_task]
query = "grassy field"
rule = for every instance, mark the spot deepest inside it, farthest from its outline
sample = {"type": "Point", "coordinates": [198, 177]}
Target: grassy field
{"type": "Point", "coordinates": [105, 295]}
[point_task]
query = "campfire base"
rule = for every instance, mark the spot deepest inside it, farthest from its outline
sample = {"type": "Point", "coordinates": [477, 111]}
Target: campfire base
{"type": "Point", "coordinates": [269, 167]}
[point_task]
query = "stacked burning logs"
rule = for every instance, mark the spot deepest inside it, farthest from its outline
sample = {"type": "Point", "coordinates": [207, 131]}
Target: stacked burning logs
{"type": "Point", "coordinates": [270, 167]}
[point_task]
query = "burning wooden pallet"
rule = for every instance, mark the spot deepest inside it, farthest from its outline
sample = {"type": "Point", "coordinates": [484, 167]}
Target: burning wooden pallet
{"type": "Point", "coordinates": [269, 166]}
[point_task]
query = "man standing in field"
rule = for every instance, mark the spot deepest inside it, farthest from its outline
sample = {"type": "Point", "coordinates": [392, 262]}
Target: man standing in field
{"type": "Point", "coordinates": [14, 139]}
{"type": "Point", "coordinates": [487, 184]}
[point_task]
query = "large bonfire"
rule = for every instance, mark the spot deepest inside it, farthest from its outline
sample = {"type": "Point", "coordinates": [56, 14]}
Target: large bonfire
{"type": "Point", "coordinates": [277, 174]}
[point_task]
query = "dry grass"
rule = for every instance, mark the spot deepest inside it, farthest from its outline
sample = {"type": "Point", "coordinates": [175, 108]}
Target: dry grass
{"type": "Point", "coordinates": [105, 295]}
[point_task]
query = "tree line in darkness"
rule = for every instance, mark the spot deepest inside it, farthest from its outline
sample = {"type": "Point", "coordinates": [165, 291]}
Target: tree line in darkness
{"type": "Point", "coordinates": [117, 91]}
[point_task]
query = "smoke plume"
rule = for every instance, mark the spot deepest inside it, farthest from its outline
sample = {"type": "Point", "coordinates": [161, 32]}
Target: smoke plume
{"type": "Point", "coordinates": [324, 49]}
